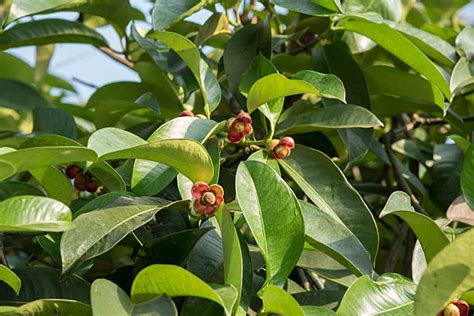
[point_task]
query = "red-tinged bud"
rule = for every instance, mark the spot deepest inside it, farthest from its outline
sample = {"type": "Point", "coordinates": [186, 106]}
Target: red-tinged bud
{"type": "Point", "coordinates": [72, 171]}
{"type": "Point", "coordinates": [238, 127]}
{"type": "Point", "coordinates": [207, 198]}
{"type": "Point", "coordinates": [288, 141]}
{"type": "Point", "coordinates": [463, 307]}
{"type": "Point", "coordinates": [281, 152]}
{"type": "Point", "coordinates": [451, 310]}
{"type": "Point", "coordinates": [91, 186]}
{"type": "Point", "coordinates": [455, 308]}
{"type": "Point", "coordinates": [186, 113]}
{"type": "Point", "coordinates": [80, 182]}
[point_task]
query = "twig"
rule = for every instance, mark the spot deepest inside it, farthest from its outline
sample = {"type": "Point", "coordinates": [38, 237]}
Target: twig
{"type": "Point", "coordinates": [85, 83]}
{"type": "Point", "coordinates": [395, 249]}
{"type": "Point", "coordinates": [3, 258]}
{"type": "Point", "coordinates": [305, 46]}
{"type": "Point", "coordinates": [304, 280]}
{"type": "Point", "coordinates": [107, 51]}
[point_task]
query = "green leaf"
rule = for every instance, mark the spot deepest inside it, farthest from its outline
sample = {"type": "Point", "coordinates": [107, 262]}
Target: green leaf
{"type": "Point", "coordinates": [461, 77]}
{"type": "Point", "coordinates": [167, 12]}
{"type": "Point", "coordinates": [54, 121]}
{"type": "Point", "coordinates": [277, 301]}
{"type": "Point", "coordinates": [17, 188]}
{"type": "Point", "coordinates": [98, 231]}
{"type": "Point", "coordinates": [110, 139]}
{"type": "Point", "coordinates": [215, 32]}
{"type": "Point", "coordinates": [166, 151]}
{"type": "Point", "coordinates": [389, 294]}
{"type": "Point", "coordinates": [149, 177]}
{"type": "Point", "coordinates": [331, 236]}
{"type": "Point", "coordinates": [329, 86]}
{"type": "Point", "coordinates": [7, 169]}
{"type": "Point", "coordinates": [158, 279]}
{"type": "Point", "coordinates": [237, 265]}
{"type": "Point", "coordinates": [447, 276]}
{"type": "Point", "coordinates": [388, 9]}
{"type": "Point", "coordinates": [19, 96]}
{"type": "Point", "coordinates": [40, 282]}
{"type": "Point", "coordinates": [55, 183]}
{"type": "Point", "coordinates": [190, 54]}
{"type": "Point", "coordinates": [260, 93]}
{"type": "Point", "coordinates": [109, 299]}
{"type": "Point", "coordinates": [10, 278]}
{"type": "Point", "coordinates": [107, 176]}
{"type": "Point", "coordinates": [464, 42]}
{"type": "Point", "coordinates": [325, 185]}
{"type": "Point", "coordinates": [34, 214]}
{"type": "Point", "coordinates": [311, 7]}
{"type": "Point", "coordinates": [467, 177]}
{"type": "Point", "coordinates": [431, 237]}
{"type": "Point", "coordinates": [398, 45]}
{"type": "Point", "coordinates": [102, 201]}
{"type": "Point", "coordinates": [334, 116]}
{"type": "Point", "coordinates": [271, 211]}
{"type": "Point", "coordinates": [49, 31]}
{"type": "Point", "coordinates": [54, 307]}
{"type": "Point", "coordinates": [37, 157]}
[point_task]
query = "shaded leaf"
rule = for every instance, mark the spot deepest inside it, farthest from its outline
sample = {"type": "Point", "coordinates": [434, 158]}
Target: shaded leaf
{"type": "Point", "coordinates": [10, 278]}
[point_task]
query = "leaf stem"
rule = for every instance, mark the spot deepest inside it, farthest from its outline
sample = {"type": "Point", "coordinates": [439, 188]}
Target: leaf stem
{"type": "Point", "coordinates": [3, 258]}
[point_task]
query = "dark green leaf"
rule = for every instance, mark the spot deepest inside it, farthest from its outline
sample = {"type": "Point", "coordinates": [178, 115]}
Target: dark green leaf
{"type": "Point", "coordinates": [310, 7]}
{"type": "Point", "coordinates": [10, 278]}
{"type": "Point", "coordinates": [467, 177]}
{"type": "Point", "coordinates": [54, 121]}
{"type": "Point", "coordinates": [167, 12]}
{"type": "Point", "coordinates": [19, 96]}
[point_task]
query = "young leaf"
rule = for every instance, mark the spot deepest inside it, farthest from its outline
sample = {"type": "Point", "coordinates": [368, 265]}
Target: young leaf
{"type": "Point", "coordinates": [167, 12]}
{"type": "Point", "coordinates": [158, 279]}
{"type": "Point", "coordinates": [431, 237]}
{"type": "Point", "coordinates": [49, 31]}
{"type": "Point", "coordinates": [329, 86]}
{"type": "Point", "coordinates": [447, 276]}
{"type": "Point", "coordinates": [271, 211]}
{"type": "Point", "coordinates": [323, 182]}
{"type": "Point", "coordinates": [389, 294]}
{"type": "Point", "coordinates": [34, 214]}
{"type": "Point", "coordinates": [334, 116]}
{"type": "Point", "coordinates": [332, 237]}
{"type": "Point", "coordinates": [166, 152]}
{"type": "Point", "coordinates": [109, 299]}
{"type": "Point", "coordinates": [10, 278]}
{"type": "Point", "coordinates": [398, 45]}
{"type": "Point", "coordinates": [98, 231]}
{"type": "Point", "coordinates": [277, 301]}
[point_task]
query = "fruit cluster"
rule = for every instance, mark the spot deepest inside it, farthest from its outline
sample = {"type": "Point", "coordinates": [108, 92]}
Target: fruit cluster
{"type": "Point", "coordinates": [82, 181]}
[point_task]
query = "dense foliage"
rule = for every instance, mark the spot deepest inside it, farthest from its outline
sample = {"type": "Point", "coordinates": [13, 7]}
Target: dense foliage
{"type": "Point", "coordinates": [295, 157]}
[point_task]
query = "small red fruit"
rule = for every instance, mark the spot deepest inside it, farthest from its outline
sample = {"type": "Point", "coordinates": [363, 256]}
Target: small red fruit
{"type": "Point", "coordinates": [186, 113]}
{"type": "Point", "coordinates": [72, 171]}
{"type": "Point", "coordinates": [91, 186]}
{"type": "Point", "coordinates": [207, 198]}
{"type": "Point", "coordinates": [282, 149]}
{"type": "Point", "coordinates": [80, 181]}
{"type": "Point", "coordinates": [238, 127]}
{"type": "Point", "coordinates": [455, 308]}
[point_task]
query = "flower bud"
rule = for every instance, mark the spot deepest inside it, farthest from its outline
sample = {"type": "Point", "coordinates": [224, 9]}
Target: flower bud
{"type": "Point", "coordinates": [282, 149]}
{"type": "Point", "coordinates": [207, 198]}
{"type": "Point", "coordinates": [455, 308]}
{"type": "Point", "coordinates": [238, 127]}
{"type": "Point", "coordinates": [451, 310]}
{"type": "Point", "coordinates": [186, 113]}
{"type": "Point", "coordinates": [288, 141]}
{"type": "Point", "coordinates": [72, 171]}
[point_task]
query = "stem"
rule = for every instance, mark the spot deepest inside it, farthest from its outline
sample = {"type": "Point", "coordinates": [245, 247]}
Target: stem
{"type": "Point", "coordinates": [396, 246]}
{"type": "Point", "coordinates": [107, 51]}
{"type": "Point", "coordinates": [304, 280]}
{"type": "Point", "coordinates": [3, 258]}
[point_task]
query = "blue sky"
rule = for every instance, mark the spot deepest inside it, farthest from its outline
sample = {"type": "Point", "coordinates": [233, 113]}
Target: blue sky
{"type": "Point", "coordinates": [88, 64]}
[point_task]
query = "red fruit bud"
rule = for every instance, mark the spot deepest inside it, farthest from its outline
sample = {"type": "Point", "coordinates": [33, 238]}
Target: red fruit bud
{"type": "Point", "coordinates": [91, 186]}
{"type": "Point", "coordinates": [288, 141]}
{"type": "Point", "coordinates": [80, 181]}
{"type": "Point", "coordinates": [238, 127]}
{"type": "Point", "coordinates": [463, 307]}
{"type": "Point", "coordinates": [281, 152]}
{"type": "Point", "coordinates": [186, 113]}
{"type": "Point", "coordinates": [72, 171]}
{"type": "Point", "coordinates": [244, 117]}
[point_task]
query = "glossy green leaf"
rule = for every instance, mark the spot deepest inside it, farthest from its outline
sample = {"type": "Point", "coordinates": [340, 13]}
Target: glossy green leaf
{"type": "Point", "coordinates": [398, 45]}
{"type": "Point", "coordinates": [271, 211]}
{"type": "Point", "coordinates": [149, 177]}
{"type": "Point", "coordinates": [10, 278]}
{"type": "Point", "coordinates": [447, 276]}
{"type": "Point", "coordinates": [37, 157]}
{"type": "Point", "coordinates": [335, 116]}
{"type": "Point", "coordinates": [190, 54]}
{"type": "Point", "coordinates": [389, 294]}
{"type": "Point", "coordinates": [54, 121]}
{"type": "Point", "coordinates": [329, 86]}
{"type": "Point", "coordinates": [34, 214]}
{"type": "Point", "coordinates": [323, 182]}
{"type": "Point", "coordinates": [277, 301]}
{"type": "Point", "coordinates": [331, 236]}
{"type": "Point", "coordinates": [167, 12]}
{"type": "Point", "coordinates": [107, 176]}
{"type": "Point", "coordinates": [260, 93]}
{"type": "Point", "coordinates": [461, 77]}
{"type": "Point", "coordinates": [109, 299]}
{"type": "Point", "coordinates": [467, 177]}
{"type": "Point", "coordinates": [166, 151]}
{"type": "Point", "coordinates": [54, 307]}
{"type": "Point", "coordinates": [215, 31]}
{"type": "Point", "coordinates": [325, 7]}
{"type": "Point", "coordinates": [7, 169]}
{"type": "Point", "coordinates": [388, 9]}
{"type": "Point", "coordinates": [237, 265]}
{"type": "Point", "coordinates": [41, 282]}
{"type": "Point", "coordinates": [15, 188]}
{"type": "Point", "coordinates": [19, 96]}
{"type": "Point", "coordinates": [265, 157]}
{"type": "Point", "coordinates": [431, 237]}
{"type": "Point", "coordinates": [464, 42]}
{"type": "Point", "coordinates": [55, 183]}
{"type": "Point", "coordinates": [107, 140]}
{"type": "Point", "coordinates": [49, 31]}
{"type": "Point", "coordinates": [156, 280]}
{"type": "Point", "coordinates": [98, 231]}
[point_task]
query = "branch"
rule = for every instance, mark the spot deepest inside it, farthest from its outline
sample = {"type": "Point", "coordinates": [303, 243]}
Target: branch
{"type": "Point", "coordinates": [396, 246]}
{"type": "Point", "coordinates": [3, 258]}
{"type": "Point", "coordinates": [107, 51]}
